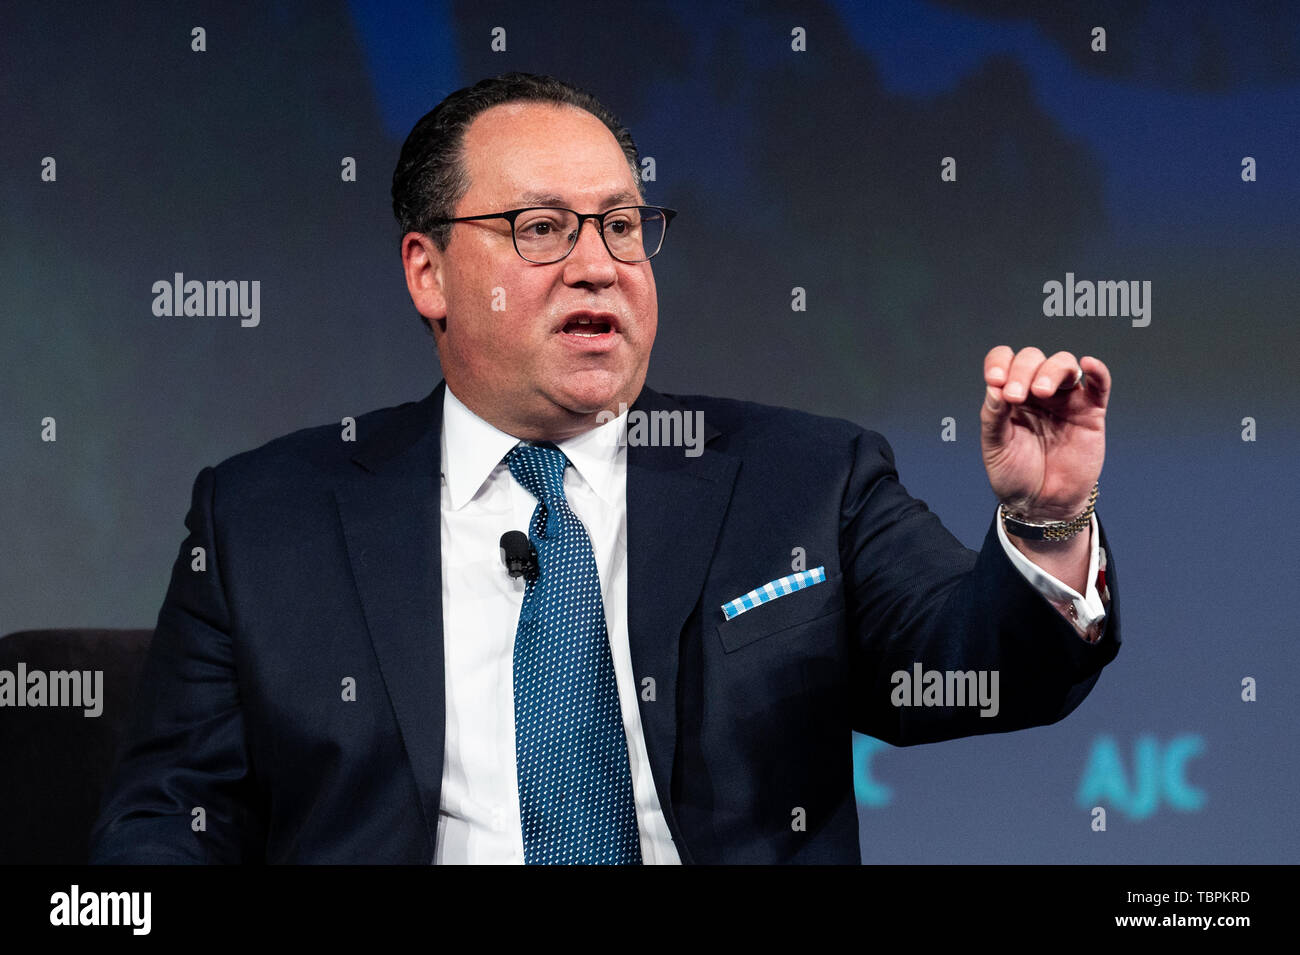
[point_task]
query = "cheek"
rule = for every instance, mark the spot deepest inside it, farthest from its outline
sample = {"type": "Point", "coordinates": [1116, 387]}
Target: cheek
{"type": "Point", "coordinates": [650, 307]}
{"type": "Point", "coordinates": [507, 339]}
{"type": "Point", "coordinates": [488, 307]}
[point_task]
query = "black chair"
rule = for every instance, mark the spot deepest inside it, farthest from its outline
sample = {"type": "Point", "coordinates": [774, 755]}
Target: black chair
{"type": "Point", "coordinates": [55, 761]}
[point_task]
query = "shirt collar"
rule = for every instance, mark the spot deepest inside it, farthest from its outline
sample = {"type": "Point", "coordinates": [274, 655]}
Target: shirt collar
{"type": "Point", "coordinates": [595, 455]}
{"type": "Point", "coordinates": [472, 448]}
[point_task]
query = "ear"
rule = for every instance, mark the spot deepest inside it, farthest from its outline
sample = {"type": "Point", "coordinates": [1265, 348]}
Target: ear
{"type": "Point", "coordinates": [423, 262]}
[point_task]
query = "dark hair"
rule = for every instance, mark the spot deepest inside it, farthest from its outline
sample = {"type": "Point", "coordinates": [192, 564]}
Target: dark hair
{"type": "Point", "coordinates": [431, 178]}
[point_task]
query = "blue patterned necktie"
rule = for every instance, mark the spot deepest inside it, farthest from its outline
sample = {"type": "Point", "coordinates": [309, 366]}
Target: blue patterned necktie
{"type": "Point", "coordinates": [575, 787]}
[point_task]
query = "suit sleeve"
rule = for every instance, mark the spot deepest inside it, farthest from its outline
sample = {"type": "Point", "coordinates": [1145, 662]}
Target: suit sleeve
{"type": "Point", "coordinates": [184, 749]}
{"type": "Point", "coordinates": [916, 596]}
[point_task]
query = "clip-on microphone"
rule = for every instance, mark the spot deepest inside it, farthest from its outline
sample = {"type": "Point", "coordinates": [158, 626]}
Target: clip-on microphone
{"type": "Point", "coordinates": [519, 555]}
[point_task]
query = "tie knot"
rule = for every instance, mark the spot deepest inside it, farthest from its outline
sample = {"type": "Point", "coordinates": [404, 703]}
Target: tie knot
{"type": "Point", "coordinates": [540, 469]}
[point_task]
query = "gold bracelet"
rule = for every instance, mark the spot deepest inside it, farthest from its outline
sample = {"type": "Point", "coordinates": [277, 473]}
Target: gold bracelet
{"type": "Point", "coordinates": [1049, 530]}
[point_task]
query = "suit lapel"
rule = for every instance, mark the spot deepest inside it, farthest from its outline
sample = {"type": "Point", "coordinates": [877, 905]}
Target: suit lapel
{"type": "Point", "coordinates": [675, 507]}
{"type": "Point", "coordinates": [390, 511]}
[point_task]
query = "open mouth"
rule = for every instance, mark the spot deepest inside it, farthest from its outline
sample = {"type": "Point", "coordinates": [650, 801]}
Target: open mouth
{"type": "Point", "coordinates": [587, 327]}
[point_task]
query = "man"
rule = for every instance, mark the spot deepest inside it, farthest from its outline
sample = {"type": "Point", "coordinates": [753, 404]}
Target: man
{"type": "Point", "coordinates": [353, 674]}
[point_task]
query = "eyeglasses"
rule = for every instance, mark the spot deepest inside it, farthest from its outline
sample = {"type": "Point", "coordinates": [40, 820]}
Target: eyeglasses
{"type": "Point", "coordinates": [546, 234]}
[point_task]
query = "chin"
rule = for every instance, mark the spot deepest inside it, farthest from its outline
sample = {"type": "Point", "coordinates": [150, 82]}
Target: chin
{"type": "Point", "coordinates": [589, 393]}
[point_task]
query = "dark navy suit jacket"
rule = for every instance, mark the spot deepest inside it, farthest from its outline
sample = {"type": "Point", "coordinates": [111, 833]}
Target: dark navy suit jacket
{"type": "Point", "coordinates": [323, 564]}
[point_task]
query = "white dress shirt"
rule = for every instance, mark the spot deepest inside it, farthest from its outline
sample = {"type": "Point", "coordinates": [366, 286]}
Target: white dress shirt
{"type": "Point", "coordinates": [478, 817]}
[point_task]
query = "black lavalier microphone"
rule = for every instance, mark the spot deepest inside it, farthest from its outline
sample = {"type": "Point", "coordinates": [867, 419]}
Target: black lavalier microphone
{"type": "Point", "coordinates": [519, 554]}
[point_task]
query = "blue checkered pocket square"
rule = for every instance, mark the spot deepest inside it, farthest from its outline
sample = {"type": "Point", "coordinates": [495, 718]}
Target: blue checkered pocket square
{"type": "Point", "coordinates": [770, 591]}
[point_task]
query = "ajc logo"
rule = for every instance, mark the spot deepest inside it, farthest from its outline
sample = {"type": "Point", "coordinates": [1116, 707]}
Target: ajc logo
{"type": "Point", "coordinates": [1159, 775]}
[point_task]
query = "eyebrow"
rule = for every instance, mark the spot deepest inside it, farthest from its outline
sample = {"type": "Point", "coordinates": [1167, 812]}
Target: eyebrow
{"type": "Point", "coordinates": [552, 199]}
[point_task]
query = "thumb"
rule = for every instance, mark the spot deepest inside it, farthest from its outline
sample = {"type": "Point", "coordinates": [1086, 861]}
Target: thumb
{"type": "Point", "coordinates": [995, 411]}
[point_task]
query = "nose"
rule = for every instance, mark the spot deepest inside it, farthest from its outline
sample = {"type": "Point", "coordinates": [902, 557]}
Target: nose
{"type": "Point", "coordinates": [589, 260]}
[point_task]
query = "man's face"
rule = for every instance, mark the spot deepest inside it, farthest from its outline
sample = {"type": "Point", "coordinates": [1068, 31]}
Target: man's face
{"type": "Point", "coordinates": [507, 345]}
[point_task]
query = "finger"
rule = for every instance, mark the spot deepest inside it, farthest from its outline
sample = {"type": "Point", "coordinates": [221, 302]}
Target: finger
{"type": "Point", "coordinates": [996, 363]}
{"type": "Point", "coordinates": [1058, 373]}
{"type": "Point", "coordinates": [1096, 380]}
{"type": "Point", "coordinates": [1021, 373]}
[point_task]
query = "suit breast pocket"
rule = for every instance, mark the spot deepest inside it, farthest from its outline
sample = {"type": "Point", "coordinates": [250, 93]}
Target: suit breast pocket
{"type": "Point", "coordinates": [788, 612]}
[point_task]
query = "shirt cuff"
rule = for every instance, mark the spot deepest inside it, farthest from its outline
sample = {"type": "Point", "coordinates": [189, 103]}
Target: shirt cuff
{"type": "Point", "coordinates": [1085, 611]}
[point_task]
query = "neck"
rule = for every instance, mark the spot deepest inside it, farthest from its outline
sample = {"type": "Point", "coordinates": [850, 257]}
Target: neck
{"type": "Point", "coordinates": [561, 423]}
